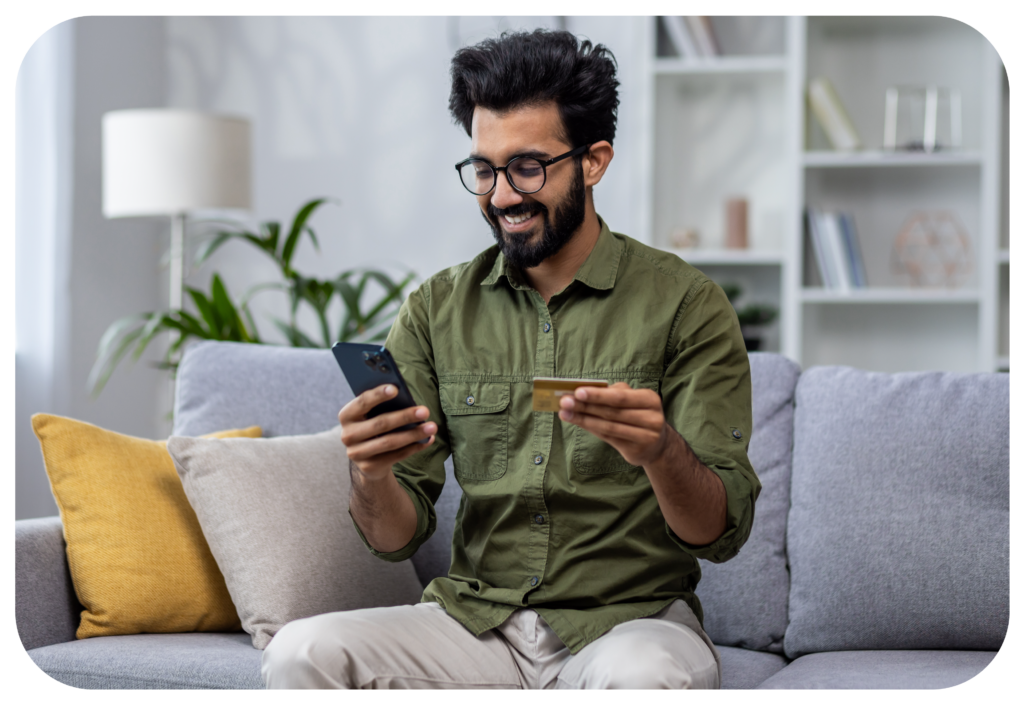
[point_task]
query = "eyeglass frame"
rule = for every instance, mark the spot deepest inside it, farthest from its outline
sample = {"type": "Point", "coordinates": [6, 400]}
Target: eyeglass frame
{"type": "Point", "coordinates": [543, 165]}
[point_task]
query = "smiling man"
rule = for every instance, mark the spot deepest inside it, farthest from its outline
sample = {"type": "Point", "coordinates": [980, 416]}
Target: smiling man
{"type": "Point", "coordinates": [576, 546]}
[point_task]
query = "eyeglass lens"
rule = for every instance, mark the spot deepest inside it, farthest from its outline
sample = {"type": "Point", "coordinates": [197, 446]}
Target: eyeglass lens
{"type": "Point", "coordinates": [525, 174]}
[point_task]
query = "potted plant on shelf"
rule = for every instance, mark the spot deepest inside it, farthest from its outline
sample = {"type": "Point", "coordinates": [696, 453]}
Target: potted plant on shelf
{"type": "Point", "coordinates": [753, 318]}
{"type": "Point", "coordinates": [217, 316]}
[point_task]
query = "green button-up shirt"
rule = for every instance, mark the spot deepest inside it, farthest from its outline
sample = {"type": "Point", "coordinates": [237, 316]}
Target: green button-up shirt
{"type": "Point", "coordinates": [552, 517]}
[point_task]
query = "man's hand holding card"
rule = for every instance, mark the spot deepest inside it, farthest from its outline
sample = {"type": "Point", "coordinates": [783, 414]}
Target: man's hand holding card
{"type": "Point", "coordinates": [630, 420]}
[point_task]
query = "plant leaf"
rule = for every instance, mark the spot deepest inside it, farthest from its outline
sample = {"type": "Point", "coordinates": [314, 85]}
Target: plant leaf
{"type": "Point", "coordinates": [273, 230]}
{"type": "Point", "coordinates": [207, 248]}
{"type": "Point", "coordinates": [206, 311]}
{"type": "Point", "coordinates": [312, 236]}
{"type": "Point", "coordinates": [115, 344]}
{"type": "Point", "coordinates": [394, 296]}
{"type": "Point", "coordinates": [295, 335]}
{"type": "Point", "coordinates": [297, 227]}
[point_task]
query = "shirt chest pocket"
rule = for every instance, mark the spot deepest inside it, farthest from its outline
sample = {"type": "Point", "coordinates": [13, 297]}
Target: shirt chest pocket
{"type": "Point", "coordinates": [593, 456]}
{"type": "Point", "coordinates": [477, 417]}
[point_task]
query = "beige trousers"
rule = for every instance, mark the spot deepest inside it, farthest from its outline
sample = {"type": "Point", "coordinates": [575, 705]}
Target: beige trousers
{"type": "Point", "coordinates": [420, 646]}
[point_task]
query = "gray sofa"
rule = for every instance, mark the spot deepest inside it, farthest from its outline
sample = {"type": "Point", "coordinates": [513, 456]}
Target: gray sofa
{"type": "Point", "coordinates": [879, 556]}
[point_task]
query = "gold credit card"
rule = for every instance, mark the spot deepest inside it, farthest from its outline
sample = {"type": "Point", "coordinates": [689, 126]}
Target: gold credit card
{"type": "Point", "coordinates": [548, 392]}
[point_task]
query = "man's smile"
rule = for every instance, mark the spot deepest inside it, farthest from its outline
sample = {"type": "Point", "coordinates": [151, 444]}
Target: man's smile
{"type": "Point", "coordinates": [519, 222]}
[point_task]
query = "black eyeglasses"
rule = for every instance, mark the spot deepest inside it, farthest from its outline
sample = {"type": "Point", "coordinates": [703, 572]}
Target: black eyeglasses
{"type": "Point", "coordinates": [527, 175]}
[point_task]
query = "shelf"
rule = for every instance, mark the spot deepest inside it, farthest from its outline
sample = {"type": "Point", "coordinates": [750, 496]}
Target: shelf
{"type": "Point", "coordinates": [1004, 256]}
{"type": "Point", "coordinates": [879, 158]}
{"type": "Point", "coordinates": [720, 65]}
{"type": "Point", "coordinates": [698, 256]}
{"type": "Point", "coordinates": [1003, 363]}
{"type": "Point", "coordinates": [888, 295]}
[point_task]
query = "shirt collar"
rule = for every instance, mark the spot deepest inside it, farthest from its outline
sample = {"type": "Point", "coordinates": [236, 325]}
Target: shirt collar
{"type": "Point", "coordinates": [598, 271]}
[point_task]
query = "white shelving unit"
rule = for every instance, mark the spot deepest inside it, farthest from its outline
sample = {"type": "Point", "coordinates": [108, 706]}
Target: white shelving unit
{"type": "Point", "coordinates": [738, 125]}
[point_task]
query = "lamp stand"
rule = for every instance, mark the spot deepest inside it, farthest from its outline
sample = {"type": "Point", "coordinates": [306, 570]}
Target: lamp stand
{"type": "Point", "coordinates": [177, 278]}
{"type": "Point", "coordinates": [177, 259]}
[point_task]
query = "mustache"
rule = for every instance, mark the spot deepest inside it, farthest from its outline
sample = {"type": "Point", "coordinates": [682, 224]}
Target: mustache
{"type": "Point", "coordinates": [516, 210]}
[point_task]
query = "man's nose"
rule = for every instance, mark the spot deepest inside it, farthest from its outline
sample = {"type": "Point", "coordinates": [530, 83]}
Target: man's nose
{"type": "Point", "coordinates": [504, 195]}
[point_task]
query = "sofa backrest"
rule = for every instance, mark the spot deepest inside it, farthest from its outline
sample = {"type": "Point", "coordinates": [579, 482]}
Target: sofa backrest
{"type": "Point", "coordinates": [898, 534]}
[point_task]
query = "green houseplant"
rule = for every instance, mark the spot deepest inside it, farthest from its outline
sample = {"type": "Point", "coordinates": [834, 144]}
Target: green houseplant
{"type": "Point", "coordinates": [218, 316]}
{"type": "Point", "coordinates": [752, 317]}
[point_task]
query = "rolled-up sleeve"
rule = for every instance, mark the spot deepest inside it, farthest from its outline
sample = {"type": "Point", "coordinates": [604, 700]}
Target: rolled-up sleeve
{"type": "Point", "coordinates": [706, 397]}
{"type": "Point", "coordinates": [421, 475]}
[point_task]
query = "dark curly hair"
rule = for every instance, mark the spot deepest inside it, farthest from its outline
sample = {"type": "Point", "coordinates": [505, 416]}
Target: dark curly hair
{"type": "Point", "coordinates": [520, 69]}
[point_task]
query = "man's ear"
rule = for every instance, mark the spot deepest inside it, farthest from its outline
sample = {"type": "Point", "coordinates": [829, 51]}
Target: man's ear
{"type": "Point", "coordinates": [596, 161]}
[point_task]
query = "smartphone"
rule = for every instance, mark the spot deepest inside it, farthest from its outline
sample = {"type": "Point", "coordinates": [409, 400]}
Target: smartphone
{"type": "Point", "coordinates": [367, 366]}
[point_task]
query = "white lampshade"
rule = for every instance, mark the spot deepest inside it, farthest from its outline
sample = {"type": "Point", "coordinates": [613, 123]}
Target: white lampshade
{"type": "Point", "coordinates": [165, 161]}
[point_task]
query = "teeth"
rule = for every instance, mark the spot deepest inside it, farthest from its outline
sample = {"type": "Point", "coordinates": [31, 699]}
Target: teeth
{"type": "Point", "coordinates": [517, 219]}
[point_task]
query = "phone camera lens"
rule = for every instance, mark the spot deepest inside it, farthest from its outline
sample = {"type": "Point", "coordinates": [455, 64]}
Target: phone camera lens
{"type": "Point", "coordinates": [384, 368]}
{"type": "Point", "coordinates": [371, 364]}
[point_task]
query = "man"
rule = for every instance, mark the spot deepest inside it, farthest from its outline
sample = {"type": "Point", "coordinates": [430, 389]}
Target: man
{"type": "Point", "coordinates": [574, 558]}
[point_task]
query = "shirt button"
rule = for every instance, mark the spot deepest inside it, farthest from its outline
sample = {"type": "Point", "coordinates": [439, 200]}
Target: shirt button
{"type": "Point", "coordinates": [534, 580]}
{"type": "Point", "coordinates": [538, 459]}
{"type": "Point", "coordinates": [737, 434]}
{"type": "Point", "coordinates": [539, 519]}
{"type": "Point", "coordinates": [547, 326]}
{"type": "Point", "coordinates": [470, 400]}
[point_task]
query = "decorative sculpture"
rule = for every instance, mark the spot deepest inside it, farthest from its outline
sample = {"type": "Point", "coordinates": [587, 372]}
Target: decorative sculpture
{"type": "Point", "coordinates": [933, 248]}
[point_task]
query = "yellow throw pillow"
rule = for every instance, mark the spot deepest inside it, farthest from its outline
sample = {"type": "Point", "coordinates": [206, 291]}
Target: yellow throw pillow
{"type": "Point", "coordinates": [138, 558]}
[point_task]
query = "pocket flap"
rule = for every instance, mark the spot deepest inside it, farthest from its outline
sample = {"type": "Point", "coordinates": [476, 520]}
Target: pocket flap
{"type": "Point", "coordinates": [474, 397]}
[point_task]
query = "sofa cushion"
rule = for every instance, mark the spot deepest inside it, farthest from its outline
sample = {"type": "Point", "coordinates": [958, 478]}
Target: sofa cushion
{"type": "Point", "coordinates": [274, 512]}
{"type": "Point", "coordinates": [881, 669]}
{"type": "Point", "coordinates": [194, 660]}
{"type": "Point", "coordinates": [899, 525]}
{"type": "Point", "coordinates": [746, 599]}
{"type": "Point", "coordinates": [299, 391]}
{"type": "Point", "coordinates": [284, 390]}
{"type": "Point", "coordinates": [743, 668]}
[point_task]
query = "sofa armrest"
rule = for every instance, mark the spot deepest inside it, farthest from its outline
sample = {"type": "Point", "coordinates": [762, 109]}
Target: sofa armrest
{"type": "Point", "coordinates": [46, 607]}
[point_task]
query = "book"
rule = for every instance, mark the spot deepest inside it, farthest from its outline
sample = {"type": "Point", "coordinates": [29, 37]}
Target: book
{"type": "Point", "coordinates": [814, 228]}
{"type": "Point", "coordinates": [703, 35]}
{"type": "Point", "coordinates": [854, 255]}
{"type": "Point", "coordinates": [680, 35]}
{"type": "Point", "coordinates": [829, 111]}
{"type": "Point", "coordinates": [836, 251]}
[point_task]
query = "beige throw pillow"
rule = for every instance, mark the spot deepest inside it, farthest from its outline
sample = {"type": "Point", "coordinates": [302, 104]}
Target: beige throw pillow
{"type": "Point", "coordinates": [275, 514]}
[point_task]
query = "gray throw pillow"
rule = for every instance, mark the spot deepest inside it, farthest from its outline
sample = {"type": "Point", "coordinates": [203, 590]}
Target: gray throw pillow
{"type": "Point", "coordinates": [275, 514]}
{"type": "Point", "coordinates": [898, 533]}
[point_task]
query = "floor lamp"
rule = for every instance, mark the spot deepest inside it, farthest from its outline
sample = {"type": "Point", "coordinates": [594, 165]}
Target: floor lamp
{"type": "Point", "coordinates": [167, 162]}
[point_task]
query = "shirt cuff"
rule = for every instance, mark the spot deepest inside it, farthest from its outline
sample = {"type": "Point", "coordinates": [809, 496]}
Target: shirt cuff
{"type": "Point", "coordinates": [739, 517]}
{"type": "Point", "coordinates": [418, 538]}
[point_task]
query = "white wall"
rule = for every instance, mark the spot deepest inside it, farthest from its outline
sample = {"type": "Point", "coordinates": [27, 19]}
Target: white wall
{"type": "Point", "coordinates": [357, 108]}
{"type": "Point", "coordinates": [99, 269]}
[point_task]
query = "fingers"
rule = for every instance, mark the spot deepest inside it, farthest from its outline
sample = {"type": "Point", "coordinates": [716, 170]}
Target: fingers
{"type": "Point", "coordinates": [390, 446]}
{"type": "Point", "coordinates": [613, 431]}
{"type": "Point", "coordinates": [358, 407]}
{"type": "Point", "coordinates": [619, 395]}
{"type": "Point", "coordinates": [379, 465]}
{"type": "Point", "coordinates": [638, 417]}
{"type": "Point", "coordinates": [357, 431]}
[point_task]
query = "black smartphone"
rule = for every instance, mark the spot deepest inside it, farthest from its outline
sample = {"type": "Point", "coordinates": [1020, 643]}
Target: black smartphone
{"type": "Point", "coordinates": [367, 366]}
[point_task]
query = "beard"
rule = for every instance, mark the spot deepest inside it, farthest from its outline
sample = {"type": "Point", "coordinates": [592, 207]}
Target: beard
{"type": "Point", "coordinates": [558, 231]}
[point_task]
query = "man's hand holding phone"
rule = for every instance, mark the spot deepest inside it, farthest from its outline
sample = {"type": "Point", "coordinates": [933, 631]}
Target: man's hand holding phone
{"type": "Point", "coordinates": [374, 444]}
